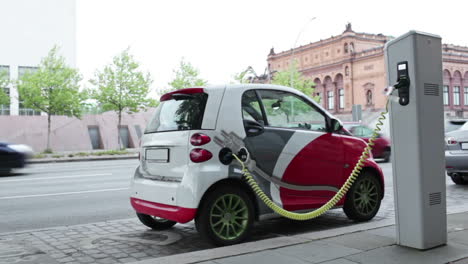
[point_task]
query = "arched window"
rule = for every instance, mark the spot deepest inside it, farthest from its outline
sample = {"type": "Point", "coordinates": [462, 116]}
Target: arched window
{"type": "Point", "coordinates": [369, 98]}
{"type": "Point", "coordinates": [346, 71]}
{"type": "Point", "coordinates": [346, 48]}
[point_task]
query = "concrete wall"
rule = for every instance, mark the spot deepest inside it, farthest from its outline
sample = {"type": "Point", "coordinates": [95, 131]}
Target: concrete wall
{"type": "Point", "coordinates": [70, 133]}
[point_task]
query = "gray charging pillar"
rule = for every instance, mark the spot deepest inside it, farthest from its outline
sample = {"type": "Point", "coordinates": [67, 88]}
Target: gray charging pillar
{"type": "Point", "coordinates": [417, 133]}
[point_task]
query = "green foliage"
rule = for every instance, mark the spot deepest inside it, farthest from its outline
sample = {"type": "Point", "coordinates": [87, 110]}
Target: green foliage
{"type": "Point", "coordinates": [186, 76]}
{"type": "Point", "coordinates": [53, 88]}
{"type": "Point", "coordinates": [47, 151]}
{"type": "Point", "coordinates": [122, 85]}
{"type": "Point", "coordinates": [4, 81]}
{"type": "Point", "coordinates": [298, 82]}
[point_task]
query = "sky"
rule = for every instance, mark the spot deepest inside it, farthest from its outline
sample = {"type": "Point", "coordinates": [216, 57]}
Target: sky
{"type": "Point", "coordinates": [222, 38]}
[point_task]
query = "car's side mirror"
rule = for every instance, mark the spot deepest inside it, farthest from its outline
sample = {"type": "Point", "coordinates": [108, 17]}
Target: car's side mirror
{"type": "Point", "coordinates": [335, 125]}
{"type": "Point", "coordinates": [253, 128]}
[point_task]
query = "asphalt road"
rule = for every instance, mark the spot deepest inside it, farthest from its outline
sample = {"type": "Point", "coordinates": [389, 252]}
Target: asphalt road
{"type": "Point", "coordinates": [49, 195]}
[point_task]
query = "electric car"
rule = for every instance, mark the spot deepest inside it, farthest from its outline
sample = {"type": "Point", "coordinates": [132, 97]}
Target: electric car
{"type": "Point", "coordinates": [187, 170]}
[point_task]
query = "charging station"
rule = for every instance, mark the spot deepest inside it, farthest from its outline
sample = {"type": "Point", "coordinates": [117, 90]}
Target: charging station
{"type": "Point", "coordinates": [414, 63]}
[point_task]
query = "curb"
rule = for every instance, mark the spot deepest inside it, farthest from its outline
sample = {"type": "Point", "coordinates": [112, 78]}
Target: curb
{"type": "Point", "coordinates": [78, 159]}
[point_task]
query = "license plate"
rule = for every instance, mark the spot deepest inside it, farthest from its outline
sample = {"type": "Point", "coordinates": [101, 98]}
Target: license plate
{"type": "Point", "coordinates": [464, 146]}
{"type": "Point", "coordinates": [157, 155]}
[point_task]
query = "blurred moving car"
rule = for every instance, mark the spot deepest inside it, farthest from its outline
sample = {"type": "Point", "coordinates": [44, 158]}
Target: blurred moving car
{"type": "Point", "coordinates": [381, 150]}
{"type": "Point", "coordinates": [456, 155]}
{"type": "Point", "coordinates": [13, 156]}
{"type": "Point", "coordinates": [451, 125]}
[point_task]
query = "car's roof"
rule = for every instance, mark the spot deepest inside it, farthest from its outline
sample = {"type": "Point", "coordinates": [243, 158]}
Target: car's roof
{"type": "Point", "coordinates": [251, 86]}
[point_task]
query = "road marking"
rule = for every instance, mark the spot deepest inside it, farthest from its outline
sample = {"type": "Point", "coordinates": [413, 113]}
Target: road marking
{"type": "Point", "coordinates": [58, 194]}
{"type": "Point", "coordinates": [61, 177]}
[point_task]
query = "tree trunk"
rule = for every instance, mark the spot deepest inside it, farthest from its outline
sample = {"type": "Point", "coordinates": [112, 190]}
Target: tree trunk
{"type": "Point", "coordinates": [118, 130]}
{"type": "Point", "coordinates": [48, 133]}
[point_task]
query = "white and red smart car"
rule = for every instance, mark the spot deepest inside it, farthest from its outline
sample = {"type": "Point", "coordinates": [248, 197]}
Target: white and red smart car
{"type": "Point", "coordinates": [187, 172]}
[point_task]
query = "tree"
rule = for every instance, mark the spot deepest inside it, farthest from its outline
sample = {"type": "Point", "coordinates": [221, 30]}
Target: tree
{"type": "Point", "coordinates": [298, 81]}
{"type": "Point", "coordinates": [4, 81]}
{"type": "Point", "coordinates": [186, 76]}
{"type": "Point", "coordinates": [53, 89]}
{"type": "Point", "coordinates": [122, 86]}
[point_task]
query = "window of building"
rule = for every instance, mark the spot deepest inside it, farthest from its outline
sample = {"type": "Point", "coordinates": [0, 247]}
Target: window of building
{"type": "Point", "coordinates": [22, 109]}
{"type": "Point", "coordinates": [456, 95]}
{"type": "Point", "coordinates": [346, 70]}
{"type": "Point", "coordinates": [5, 69]}
{"type": "Point", "coordinates": [5, 109]}
{"type": "Point", "coordinates": [346, 48]}
{"type": "Point", "coordinates": [466, 96]}
{"type": "Point", "coordinates": [341, 97]}
{"type": "Point", "coordinates": [330, 100]}
{"type": "Point", "coordinates": [25, 69]}
{"type": "Point", "coordinates": [446, 95]}
{"type": "Point", "coordinates": [5, 73]}
{"type": "Point", "coordinates": [369, 99]}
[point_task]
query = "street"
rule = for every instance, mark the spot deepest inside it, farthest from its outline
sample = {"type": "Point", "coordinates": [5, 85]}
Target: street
{"type": "Point", "coordinates": [81, 213]}
{"type": "Point", "coordinates": [48, 195]}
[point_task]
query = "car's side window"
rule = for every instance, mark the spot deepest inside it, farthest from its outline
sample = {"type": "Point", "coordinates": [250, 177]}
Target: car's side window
{"type": "Point", "coordinates": [287, 110]}
{"type": "Point", "coordinates": [251, 107]}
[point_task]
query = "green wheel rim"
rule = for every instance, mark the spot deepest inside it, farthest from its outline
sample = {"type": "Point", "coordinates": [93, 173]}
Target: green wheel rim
{"type": "Point", "coordinates": [366, 197]}
{"type": "Point", "coordinates": [229, 216]}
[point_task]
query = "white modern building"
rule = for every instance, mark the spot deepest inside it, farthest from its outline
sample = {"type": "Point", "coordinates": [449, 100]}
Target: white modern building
{"type": "Point", "coordinates": [30, 28]}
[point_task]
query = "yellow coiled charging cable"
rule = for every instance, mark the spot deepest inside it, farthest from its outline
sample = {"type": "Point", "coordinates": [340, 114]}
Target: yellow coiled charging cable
{"type": "Point", "coordinates": [335, 199]}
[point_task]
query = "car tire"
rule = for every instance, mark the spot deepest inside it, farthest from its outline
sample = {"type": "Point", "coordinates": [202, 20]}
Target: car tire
{"type": "Point", "coordinates": [363, 199]}
{"type": "Point", "coordinates": [458, 179]}
{"type": "Point", "coordinates": [155, 223]}
{"type": "Point", "coordinates": [226, 216]}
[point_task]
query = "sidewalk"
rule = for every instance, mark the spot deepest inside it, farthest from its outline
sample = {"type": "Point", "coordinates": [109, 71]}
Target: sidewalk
{"type": "Point", "coordinates": [362, 243]}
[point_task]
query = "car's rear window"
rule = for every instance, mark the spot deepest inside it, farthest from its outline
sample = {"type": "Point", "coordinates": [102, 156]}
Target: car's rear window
{"type": "Point", "coordinates": [184, 113]}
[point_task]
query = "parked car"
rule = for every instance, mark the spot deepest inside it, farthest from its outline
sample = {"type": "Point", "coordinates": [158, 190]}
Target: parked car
{"type": "Point", "coordinates": [451, 125]}
{"type": "Point", "coordinates": [456, 155]}
{"type": "Point", "coordinates": [187, 171]}
{"type": "Point", "coordinates": [13, 156]}
{"type": "Point", "coordinates": [382, 147]}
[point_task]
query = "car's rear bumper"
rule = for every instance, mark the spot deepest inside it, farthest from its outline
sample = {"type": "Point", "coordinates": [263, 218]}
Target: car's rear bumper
{"type": "Point", "coordinates": [170, 212]}
{"type": "Point", "coordinates": [456, 161]}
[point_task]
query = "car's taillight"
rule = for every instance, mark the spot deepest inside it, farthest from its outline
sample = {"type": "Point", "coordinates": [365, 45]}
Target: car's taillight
{"type": "Point", "coordinates": [199, 139]}
{"type": "Point", "coordinates": [198, 155]}
{"type": "Point", "coordinates": [451, 141]}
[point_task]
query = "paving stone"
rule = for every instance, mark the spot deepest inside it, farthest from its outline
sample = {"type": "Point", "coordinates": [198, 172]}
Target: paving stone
{"type": "Point", "coordinates": [106, 261]}
{"type": "Point", "coordinates": [85, 259]}
{"type": "Point", "coordinates": [138, 255]}
{"type": "Point", "coordinates": [127, 260]}
{"type": "Point", "coordinates": [99, 256]}
{"type": "Point", "coordinates": [64, 260]}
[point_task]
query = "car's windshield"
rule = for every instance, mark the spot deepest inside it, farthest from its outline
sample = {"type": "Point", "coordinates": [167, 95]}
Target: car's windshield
{"type": "Point", "coordinates": [174, 115]}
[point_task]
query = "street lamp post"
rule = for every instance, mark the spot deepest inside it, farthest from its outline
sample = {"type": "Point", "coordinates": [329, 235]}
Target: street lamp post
{"type": "Point", "coordinates": [293, 50]}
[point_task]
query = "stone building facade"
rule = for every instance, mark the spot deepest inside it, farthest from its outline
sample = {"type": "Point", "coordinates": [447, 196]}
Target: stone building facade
{"type": "Point", "coordinates": [349, 69]}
